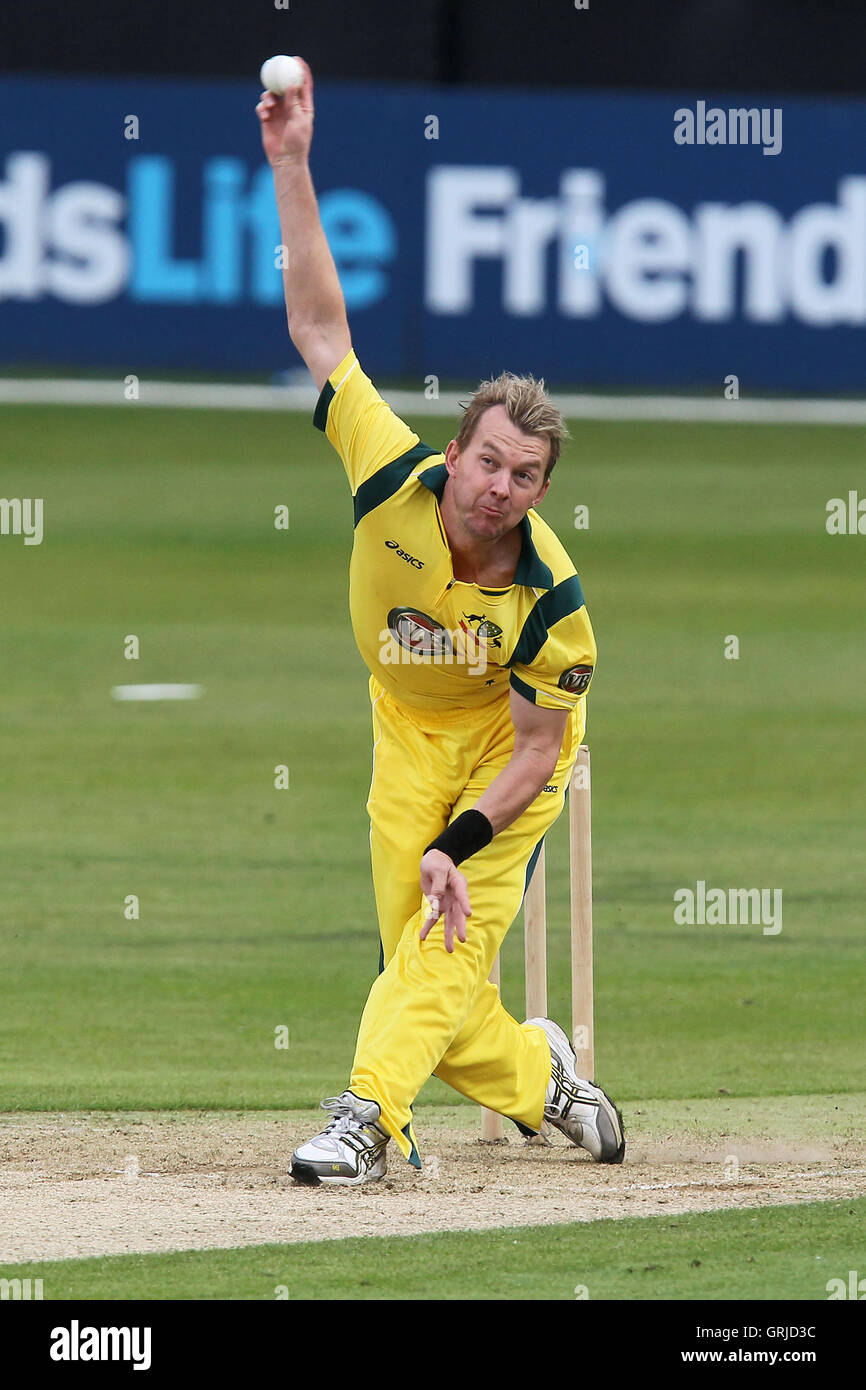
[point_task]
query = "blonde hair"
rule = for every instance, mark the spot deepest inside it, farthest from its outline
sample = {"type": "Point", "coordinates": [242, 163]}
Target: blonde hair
{"type": "Point", "coordinates": [528, 406]}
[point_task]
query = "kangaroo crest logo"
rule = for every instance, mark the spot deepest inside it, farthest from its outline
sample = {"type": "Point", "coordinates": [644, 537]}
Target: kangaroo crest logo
{"type": "Point", "coordinates": [486, 630]}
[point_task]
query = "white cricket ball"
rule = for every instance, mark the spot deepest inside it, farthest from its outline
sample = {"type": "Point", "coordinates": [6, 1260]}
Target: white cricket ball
{"type": "Point", "coordinates": [280, 73]}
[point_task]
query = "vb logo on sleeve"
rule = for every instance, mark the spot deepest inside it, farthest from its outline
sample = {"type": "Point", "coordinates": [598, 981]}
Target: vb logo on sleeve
{"type": "Point", "coordinates": [576, 679]}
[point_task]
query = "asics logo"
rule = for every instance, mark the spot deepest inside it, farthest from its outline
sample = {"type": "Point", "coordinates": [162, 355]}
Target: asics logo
{"type": "Point", "coordinates": [410, 559]}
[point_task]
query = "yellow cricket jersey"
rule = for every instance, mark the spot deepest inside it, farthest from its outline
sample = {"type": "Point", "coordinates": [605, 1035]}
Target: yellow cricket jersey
{"type": "Point", "coordinates": [434, 641]}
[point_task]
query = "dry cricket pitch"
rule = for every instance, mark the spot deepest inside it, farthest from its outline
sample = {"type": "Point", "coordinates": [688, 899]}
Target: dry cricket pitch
{"type": "Point", "coordinates": [96, 1183]}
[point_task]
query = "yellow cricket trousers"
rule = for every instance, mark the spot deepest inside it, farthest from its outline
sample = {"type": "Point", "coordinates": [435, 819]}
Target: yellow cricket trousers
{"type": "Point", "coordinates": [430, 1012]}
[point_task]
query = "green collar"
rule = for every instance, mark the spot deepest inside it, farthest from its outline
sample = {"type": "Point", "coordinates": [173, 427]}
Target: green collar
{"type": "Point", "coordinates": [531, 569]}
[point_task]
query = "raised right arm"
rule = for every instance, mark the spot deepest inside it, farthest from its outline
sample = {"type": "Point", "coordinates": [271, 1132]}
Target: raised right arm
{"type": "Point", "coordinates": [315, 306]}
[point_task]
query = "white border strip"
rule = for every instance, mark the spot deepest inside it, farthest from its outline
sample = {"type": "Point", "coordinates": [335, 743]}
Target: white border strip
{"type": "Point", "coordinates": [191, 395]}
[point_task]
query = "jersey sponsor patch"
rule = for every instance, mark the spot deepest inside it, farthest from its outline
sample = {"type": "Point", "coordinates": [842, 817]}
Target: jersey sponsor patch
{"type": "Point", "coordinates": [418, 632]}
{"type": "Point", "coordinates": [576, 679]}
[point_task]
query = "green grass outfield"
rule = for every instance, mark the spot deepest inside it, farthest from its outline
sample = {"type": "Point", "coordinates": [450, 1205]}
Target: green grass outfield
{"type": "Point", "coordinates": [776, 1253]}
{"type": "Point", "coordinates": [256, 904]}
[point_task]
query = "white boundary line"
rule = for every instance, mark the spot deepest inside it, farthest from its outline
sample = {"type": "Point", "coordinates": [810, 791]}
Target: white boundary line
{"type": "Point", "coordinates": [161, 691]}
{"type": "Point", "coordinates": [191, 395]}
{"type": "Point", "coordinates": [741, 1181]}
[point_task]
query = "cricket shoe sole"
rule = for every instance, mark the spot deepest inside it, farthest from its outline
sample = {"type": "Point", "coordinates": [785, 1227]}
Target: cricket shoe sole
{"type": "Point", "coordinates": [578, 1108]}
{"type": "Point", "coordinates": [350, 1149]}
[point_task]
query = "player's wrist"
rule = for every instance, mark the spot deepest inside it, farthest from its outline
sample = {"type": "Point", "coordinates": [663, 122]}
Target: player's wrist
{"type": "Point", "coordinates": [465, 836]}
{"type": "Point", "coordinates": [291, 161]}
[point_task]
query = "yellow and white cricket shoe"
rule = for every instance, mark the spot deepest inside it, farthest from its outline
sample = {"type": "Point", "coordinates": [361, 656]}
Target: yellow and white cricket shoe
{"type": "Point", "coordinates": [581, 1110]}
{"type": "Point", "coordinates": [350, 1149]}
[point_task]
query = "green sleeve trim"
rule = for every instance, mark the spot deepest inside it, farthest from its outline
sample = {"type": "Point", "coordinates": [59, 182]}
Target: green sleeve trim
{"type": "Point", "coordinates": [320, 416]}
{"type": "Point", "coordinates": [522, 688]}
{"type": "Point", "coordinates": [387, 480]}
{"type": "Point", "coordinates": [552, 607]}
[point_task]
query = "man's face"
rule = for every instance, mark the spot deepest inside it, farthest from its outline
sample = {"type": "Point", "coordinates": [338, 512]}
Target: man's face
{"type": "Point", "coordinates": [498, 476]}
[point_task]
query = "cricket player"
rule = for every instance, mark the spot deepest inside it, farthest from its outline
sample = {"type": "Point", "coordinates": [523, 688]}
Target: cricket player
{"type": "Point", "coordinates": [470, 616]}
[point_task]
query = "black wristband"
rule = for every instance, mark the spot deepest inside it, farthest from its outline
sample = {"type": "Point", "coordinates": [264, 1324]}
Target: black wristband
{"type": "Point", "coordinates": [467, 834]}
